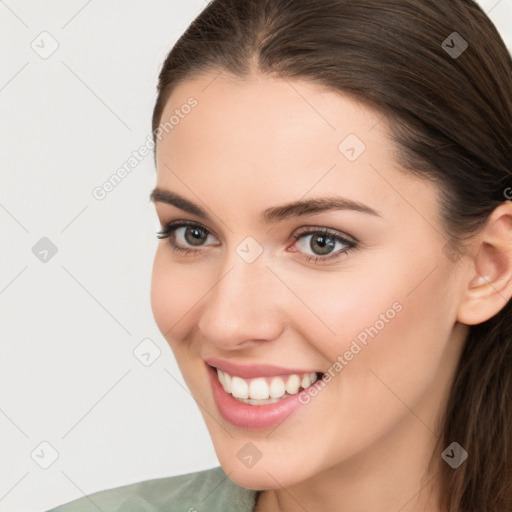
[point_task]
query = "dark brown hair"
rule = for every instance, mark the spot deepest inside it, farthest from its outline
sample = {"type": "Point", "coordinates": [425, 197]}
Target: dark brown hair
{"type": "Point", "coordinates": [451, 121]}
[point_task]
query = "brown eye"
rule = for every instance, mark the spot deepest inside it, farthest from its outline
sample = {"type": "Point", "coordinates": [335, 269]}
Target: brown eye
{"type": "Point", "coordinates": [183, 235]}
{"type": "Point", "coordinates": [320, 244]}
{"type": "Point", "coordinates": [194, 235]}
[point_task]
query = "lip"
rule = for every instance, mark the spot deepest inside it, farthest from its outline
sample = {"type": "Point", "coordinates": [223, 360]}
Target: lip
{"type": "Point", "coordinates": [249, 416]}
{"type": "Point", "coordinates": [251, 371]}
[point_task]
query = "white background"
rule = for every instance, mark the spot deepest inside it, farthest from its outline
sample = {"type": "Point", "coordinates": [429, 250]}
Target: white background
{"type": "Point", "coordinates": [69, 326]}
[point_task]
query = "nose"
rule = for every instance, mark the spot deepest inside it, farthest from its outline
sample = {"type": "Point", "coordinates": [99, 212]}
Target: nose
{"type": "Point", "coordinates": [243, 306]}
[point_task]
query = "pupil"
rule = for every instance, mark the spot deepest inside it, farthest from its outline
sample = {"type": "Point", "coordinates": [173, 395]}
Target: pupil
{"type": "Point", "coordinates": [325, 247]}
{"type": "Point", "coordinates": [198, 236]}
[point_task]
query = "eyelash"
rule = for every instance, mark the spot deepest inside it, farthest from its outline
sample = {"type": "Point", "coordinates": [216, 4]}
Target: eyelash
{"type": "Point", "coordinates": [168, 231]}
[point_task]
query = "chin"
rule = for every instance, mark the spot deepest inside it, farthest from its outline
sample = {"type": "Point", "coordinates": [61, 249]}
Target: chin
{"type": "Point", "coordinates": [263, 475]}
{"type": "Point", "coordinates": [262, 478]}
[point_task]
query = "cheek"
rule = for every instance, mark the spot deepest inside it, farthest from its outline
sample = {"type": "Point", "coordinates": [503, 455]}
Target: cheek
{"type": "Point", "coordinates": [397, 361]}
{"type": "Point", "coordinates": [341, 308]}
{"type": "Point", "coordinates": [384, 326]}
{"type": "Point", "coordinates": [396, 309]}
{"type": "Point", "coordinates": [384, 370]}
{"type": "Point", "coordinates": [173, 297]}
{"type": "Point", "coordinates": [174, 292]}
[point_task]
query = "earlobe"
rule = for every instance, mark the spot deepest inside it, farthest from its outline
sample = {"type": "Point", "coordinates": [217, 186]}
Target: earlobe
{"type": "Point", "coordinates": [489, 284]}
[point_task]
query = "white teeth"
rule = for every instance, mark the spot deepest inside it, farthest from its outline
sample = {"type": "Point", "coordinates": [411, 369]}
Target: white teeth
{"type": "Point", "coordinates": [293, 384]}
{"type": "Point", "coordinates": [225, 380]}
{"type": "Point", "coordinates": [227, 383]}
{"type": "Point", "coordinates": [258, 389]}
{"type": "Point", "coordinates": [305, 382]}
{"type": "Point", "coordinates": [263, 390]}
{"type": "Point", "coordinates": [277, 387]}
{"type": "Point", "coordinates": [239, 388]}
{"type": "Point", "coordinates": [252, 401]}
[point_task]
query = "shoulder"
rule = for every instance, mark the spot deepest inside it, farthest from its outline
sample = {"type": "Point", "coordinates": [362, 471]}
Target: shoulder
{"type": "Point", "coordinates": [203, 491]}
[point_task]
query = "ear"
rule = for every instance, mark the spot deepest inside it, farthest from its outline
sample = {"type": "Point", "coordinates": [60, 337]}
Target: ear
{"type": "Point", "coordinates": [488, 286]}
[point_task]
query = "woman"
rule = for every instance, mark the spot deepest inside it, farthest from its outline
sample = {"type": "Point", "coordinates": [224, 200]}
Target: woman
{"type": "Point", "coordinates": [335, 270]}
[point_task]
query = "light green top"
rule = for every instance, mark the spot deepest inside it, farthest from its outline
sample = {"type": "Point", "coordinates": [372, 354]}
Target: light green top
{"type": "Point", "coordinates": [204, 491]}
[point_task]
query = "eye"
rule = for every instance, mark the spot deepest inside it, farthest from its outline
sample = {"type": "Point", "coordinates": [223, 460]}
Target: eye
{"type": "Point", "coordinates": [182, 235]}
{"type": "Point", "coordinates": [187, 237]}
{"type": "Point", "coordinates": [322, 242]}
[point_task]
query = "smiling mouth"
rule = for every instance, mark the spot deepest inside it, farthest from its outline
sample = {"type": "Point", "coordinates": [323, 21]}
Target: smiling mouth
{"type": "Point", "coordinates": [265, 390]}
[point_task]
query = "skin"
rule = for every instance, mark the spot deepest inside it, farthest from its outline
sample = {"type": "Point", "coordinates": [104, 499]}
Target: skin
{"type": "Point", "coordinates": [363, 443]}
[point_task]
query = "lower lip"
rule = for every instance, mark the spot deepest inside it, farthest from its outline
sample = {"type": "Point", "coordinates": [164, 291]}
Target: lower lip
{"type": "Point", "coordinates": [245, 415]}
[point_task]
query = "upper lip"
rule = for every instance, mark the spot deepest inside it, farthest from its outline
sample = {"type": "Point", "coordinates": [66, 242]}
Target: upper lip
{"type": "Point", "coordinates": [248, 371]}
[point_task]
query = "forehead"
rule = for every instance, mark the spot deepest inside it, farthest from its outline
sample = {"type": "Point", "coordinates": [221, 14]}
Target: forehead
{"type": "Point", "coordinates": [263, 113]}
{"type": "Point", "coordinates": [268, 140]}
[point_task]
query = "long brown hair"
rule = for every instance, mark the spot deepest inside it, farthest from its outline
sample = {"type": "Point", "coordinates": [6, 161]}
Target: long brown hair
{"type": "Point", "coordinates": [449, 107]}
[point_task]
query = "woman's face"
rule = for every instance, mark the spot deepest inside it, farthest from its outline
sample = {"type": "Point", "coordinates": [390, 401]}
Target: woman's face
{"type": "Point", "coordinates": [268, 295]}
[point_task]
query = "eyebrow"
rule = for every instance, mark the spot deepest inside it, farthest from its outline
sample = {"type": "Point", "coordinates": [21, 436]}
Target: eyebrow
{"type": "Point", "coordinates": [270, 215]}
